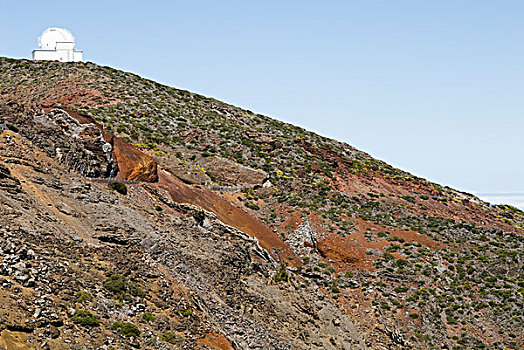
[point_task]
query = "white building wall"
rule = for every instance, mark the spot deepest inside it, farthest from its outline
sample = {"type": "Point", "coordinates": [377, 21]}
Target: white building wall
{"type": "Point", "coordinates": [58, 55]}
{"type": "Point", "coordinates": [46, 55]}
{"type": "Point", "coordinates": [78, 56]}
{"type": "Point", "coordinates": [65, 55]}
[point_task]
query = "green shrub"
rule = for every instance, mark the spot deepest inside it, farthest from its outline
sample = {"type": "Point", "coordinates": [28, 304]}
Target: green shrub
{"type": "Point", "coordinates": [85, 318]}
{"type": "Point", "coordinates": [199, 217]}
{"type": "Point", "coordinates": [281, 275]}
{"type": "Point", "coordinates": [126, 329]}
{"type": "Point", "coordinates": [330, 270]}
{"type": "Point", "coordinates": [400, 263]}
{"type": "Point", "coordinates": [401, 289]}
{"type": "Point", "coordinates": [387, 256]}
{"type": "Point", "coordinates": [83, 296]}
{"type": "Point", "coordinates": [122, 289]}
{"type": "Point", "coordinates": [148, 317]}
{"type": "Point", "coordinates": [170, 337]}
{"type": "Point", "coordinates": [136, 291]}
{"type": "Point", "coordinates": [116, 284]}
{"type": "Point", "coordinates": [118, 186]}
{"type": "Point", "coordinates": [252, 206]}
{"type": "Point", "coordinates": [187, 313]}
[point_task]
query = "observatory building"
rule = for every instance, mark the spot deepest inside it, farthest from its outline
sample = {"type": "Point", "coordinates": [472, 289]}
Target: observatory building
{"type": "Point", "coordinates": [57, 44]}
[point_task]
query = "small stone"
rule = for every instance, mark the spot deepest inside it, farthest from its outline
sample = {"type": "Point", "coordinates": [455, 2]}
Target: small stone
{"type": "Point", "coordinates": [21, 278]}
{"type": "Point", "coordinates": [20, 266]}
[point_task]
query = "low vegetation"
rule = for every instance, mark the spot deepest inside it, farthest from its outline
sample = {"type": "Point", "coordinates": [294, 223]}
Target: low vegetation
{"type": "Point", "coordinates": [85, 318]}
{"type": "Point", "coordinates": [433, 263]}
{"type": "Point", "coordinates": [118, 186]}
{"type": "Point", "coordinates": [126, 329]}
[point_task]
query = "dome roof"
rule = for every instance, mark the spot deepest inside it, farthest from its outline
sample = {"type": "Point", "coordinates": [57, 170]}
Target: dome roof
{"type": "Point", "coordinates": [51, 36]}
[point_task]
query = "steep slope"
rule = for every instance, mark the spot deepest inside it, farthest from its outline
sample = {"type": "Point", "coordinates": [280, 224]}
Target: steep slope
{"type": "Point", "coordinates": [356, 253]}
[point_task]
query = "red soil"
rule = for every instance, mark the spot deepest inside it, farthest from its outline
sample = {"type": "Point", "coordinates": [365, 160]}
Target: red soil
{"type": "Point", "coordinates": [91, 98]}
{"type": "Point", "coordinates": [133, 164]}
{"type": "Point", "coordinates": [227, 213]}
{"type": "Point", "coordinates": [215, 341]}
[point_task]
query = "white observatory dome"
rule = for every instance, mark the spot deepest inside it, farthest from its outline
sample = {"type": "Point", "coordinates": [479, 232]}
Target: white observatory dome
{"type": "Point", "coordinates": [57, 44]}
{"type": "Point", "coordinates": [51, 36]}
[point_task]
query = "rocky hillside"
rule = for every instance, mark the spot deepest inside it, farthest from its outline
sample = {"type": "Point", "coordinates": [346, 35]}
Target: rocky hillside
{"type": "Point", "coordinates": [136, 215]}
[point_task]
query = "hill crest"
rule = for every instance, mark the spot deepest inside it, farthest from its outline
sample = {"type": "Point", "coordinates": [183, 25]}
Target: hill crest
{"type": "Point", "coordinates": [401, 262]}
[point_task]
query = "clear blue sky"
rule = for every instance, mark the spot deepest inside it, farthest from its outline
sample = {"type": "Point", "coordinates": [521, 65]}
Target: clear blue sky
{"type": "Point", "coordinates": [432, 87]}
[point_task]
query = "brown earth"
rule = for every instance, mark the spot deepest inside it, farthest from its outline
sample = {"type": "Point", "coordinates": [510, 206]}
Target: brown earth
{"type": "Point", "coordinates": [228, 214]}
{"type": "Point", "coordinates": [205, 279]}
{"type": "Point", "coordinates": [133, 164]}
{"type": "Point", "coordinates": [12, 341]}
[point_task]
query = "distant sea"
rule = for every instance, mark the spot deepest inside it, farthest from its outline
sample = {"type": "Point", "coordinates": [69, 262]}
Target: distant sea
{"type": "Point", "coordinates": [515, 199]}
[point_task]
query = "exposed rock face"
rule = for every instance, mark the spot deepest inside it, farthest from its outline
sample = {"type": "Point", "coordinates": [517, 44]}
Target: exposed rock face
{"type": "Point", "coordinates": [134, 164]}
{"type": "Point", "coordinates": [81, 148]}
{"type": "Point", "coordinates": [203, 170]}
{"type": "Point", "coordinates": [227, 213]}
{"type": "Point", "coordinates": [187, 171]}
{"type": "Point", "coordinates": [206, 284]}
{"type": "Point", "coordinates": [231, 172]}
{"type": "Point", "coordinates": [7, 181]}
{"type": "Point", "coordinates": [337, 251]}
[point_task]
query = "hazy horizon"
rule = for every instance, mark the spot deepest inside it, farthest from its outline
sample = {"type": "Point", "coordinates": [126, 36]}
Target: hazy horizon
{"type": "Point", "coordinates": [515, 199]}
